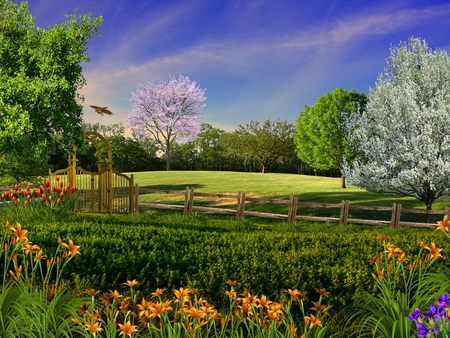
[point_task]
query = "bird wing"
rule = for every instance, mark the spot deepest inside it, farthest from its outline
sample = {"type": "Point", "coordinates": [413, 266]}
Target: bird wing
{"type": "Point", "coordinates": [107, 112]}
{"type": "Point", "coordinates": [95, 107]}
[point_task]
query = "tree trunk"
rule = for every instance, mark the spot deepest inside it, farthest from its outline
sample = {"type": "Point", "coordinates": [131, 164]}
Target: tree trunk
{"type": "Point", "coordinates": [343, 182]}
{"type": "Point", "coordinates": [167, 156]}
{"type": "Point", "coordinates": [264, 169]}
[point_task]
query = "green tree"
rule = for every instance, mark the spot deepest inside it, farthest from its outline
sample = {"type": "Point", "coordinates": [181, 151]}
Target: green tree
{"type": "Point", "coordinates": [322, 131]}
{"type": "Point", "coordinates": [129, 156]}
{"type": "Point", "coordinates": [40, 75]}
{"type": "Point", "coordinates": [266, 143]}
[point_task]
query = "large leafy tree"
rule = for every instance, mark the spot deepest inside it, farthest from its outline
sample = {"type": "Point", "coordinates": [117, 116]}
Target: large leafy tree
{"type": "Point", "coordinates": [404, 135]}
{"type": "Point", "coordinates": [40, 75]}
{"type": "Point", "coordinates": [322, 131]}
{"type": "Point", "coordinates": [265, 142]}
{"type": "Point", "coordinates": [167, 111]}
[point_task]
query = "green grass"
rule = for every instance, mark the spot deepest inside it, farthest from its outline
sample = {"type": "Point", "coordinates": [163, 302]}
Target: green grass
{"type": "Point", "coordinates": [306, 188]}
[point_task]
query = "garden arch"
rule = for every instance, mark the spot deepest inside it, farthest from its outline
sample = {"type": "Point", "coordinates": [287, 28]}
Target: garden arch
{"type": "Point", "coordinates": [104, 191]}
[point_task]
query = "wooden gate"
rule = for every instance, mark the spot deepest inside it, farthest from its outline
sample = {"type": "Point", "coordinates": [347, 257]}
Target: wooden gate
{"type": "Point", "coordinates": [105, 191]}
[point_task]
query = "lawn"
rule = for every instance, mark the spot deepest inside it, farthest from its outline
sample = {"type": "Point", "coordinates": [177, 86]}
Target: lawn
{"type": "Point", "coordinates": [306, 188]}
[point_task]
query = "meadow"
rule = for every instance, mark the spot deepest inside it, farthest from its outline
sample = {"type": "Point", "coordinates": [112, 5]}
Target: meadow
{"type": "Point", "coordinates": [257, 256]}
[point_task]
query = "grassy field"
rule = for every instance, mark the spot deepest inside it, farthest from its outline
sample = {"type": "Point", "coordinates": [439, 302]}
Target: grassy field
{"type": "Point", "coordinates": [306, 188]}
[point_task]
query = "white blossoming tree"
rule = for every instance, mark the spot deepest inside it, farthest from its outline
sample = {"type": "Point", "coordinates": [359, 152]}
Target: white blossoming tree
{"type": "Point", "coordinates": [404, 135]}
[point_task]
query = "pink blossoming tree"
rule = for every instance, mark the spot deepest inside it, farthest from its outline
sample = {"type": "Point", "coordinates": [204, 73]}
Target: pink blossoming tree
{"type": "Point", "coordinates": [167, 111]}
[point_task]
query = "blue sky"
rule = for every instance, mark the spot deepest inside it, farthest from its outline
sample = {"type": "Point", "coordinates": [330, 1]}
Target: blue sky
{"type": "Point", "coordinates": [257, 59]}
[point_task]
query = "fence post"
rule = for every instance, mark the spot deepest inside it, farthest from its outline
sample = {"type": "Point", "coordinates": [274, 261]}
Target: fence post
{"type": "Point", "coordinates": [191, 201]}
{"type": "Point", "coordinates": [186, 201]}
{"type": "Point", "coordinates": [136, 198]}
{"type": "Point", "coordinates": [393, 215]}
{"type": "Point", "coordinates": [341, 214]}
{"type": "Point", "coordinates": [344, 212]}
{"type": "Point", "coordinates": [347, 208]}
{"type": "Point", "coordinates": [238, 206]}
{"type": "Point", "coordinates": [292, 212]}
{"type": "Point", "coordinates": [398, 214]}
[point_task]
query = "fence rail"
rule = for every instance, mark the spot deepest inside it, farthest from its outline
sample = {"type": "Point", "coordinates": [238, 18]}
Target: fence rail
{"type": "Point", "coordinates": [293, 204]}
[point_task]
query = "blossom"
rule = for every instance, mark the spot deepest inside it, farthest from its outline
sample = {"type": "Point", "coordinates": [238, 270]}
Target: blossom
{"type": "Point", "coordinates": [414, 316]}
{"type": "Point", "coordinates": [131, 283]}
{"type": "Point", "coordinates": [423, 330]}
{"type": "Point", "coordinates": [444, 225]}
{"type": "Point", "coordinates": [94, 327]}
{"type": "Point", "coordinates": [127, 328]}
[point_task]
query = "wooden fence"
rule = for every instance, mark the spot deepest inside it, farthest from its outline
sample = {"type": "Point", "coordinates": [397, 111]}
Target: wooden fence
{"type": "Point", "coordinates": [189, 193]}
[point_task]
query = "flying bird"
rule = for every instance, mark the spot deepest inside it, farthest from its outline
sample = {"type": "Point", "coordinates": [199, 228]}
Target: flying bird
{"type": "Point", "coordinates": [101, 110]}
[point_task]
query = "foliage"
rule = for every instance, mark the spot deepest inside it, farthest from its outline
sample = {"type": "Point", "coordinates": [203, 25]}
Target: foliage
{"type": "Point", "coordinates": [171, 251]}
{"type": "Point", "coordinates": [129, 155]}
{"type": "Point", "coordinates": [403, 135]}
{"type": "Point", "coordinates": [437, 319]}
{"type": "Point", "coordinates": [38, 204]}
{"type": "Point", "coordinates": [33, 302]}
{"type": "Point", "coordinates": [14, 170]}
{"type": "Point", "coordinates": [266, 142]}
{"type": "Point", "coordinates": [167, 111]}
{"type": "Point", "coordinates": [402, 286]}
{"type": "Point", "coordinates": [322, 131]}
{"type": "Point", "coordinates": [40, 76]}
{"type": "Point", "coordinates": [117, 129]}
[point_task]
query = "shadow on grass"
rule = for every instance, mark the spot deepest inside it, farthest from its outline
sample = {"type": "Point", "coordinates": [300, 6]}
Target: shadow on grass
{"type": "Point", "coordinates": [172, 186]}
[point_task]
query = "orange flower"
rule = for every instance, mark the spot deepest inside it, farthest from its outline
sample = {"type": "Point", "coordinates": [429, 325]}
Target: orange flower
{"type": "Point", "coordinates": [311, 321]}
{"type": "Point", "coordinates": [131, 283]}
{"type": "Point", "coordinates": [401, 259]}
{"type": "Point", "coordinates": [73, 249]}
{"type": "Point", "coordinates": [91, 292]}
{"type": "Point", "coordinates": [382, 237]}
{"type": "Point", "coordinates": [93, 327]}
{"type": "Point", "coordinates": [390, 250]}
{"type": "Point", "coordinates": [434, 252]}
{"type": "Point", "coordinates": [181, 293]}
{"type": "Point", "coordinates": [231, 293]}
{"type": "Point", "coordinates": [127, 329]}
{"type": "Point", "coordinates": [444, 225]}
{"type": "Point", "coordinates": [158, 292]}
{"type": "Point", "coordinates": [115, 294]}
{"type": "Point", "coordinates": [159, 309]}
{"type": "Point", "coordinates": [322, 292]}
{"type": "Point", "coordinates": [193, 312]}
{"type": "Point", "coordinates": [47, 182]}
{"type": "Point", "coordinates": [144, 307]}
{"type": "Point", "coordinates": [20, 234]}
{"type": "Point", "coordinates": [231, 283]}
{"type": "Point", "coordinates": [375, 260]}
{"type": "Point", "coordinates": [246, 310]}
{"type": "Point", "coordinates": [264, 302]}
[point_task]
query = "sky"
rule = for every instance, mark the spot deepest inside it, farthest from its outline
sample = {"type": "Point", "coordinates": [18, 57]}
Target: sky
{"type": "Point", "coordinates": [257, 59]}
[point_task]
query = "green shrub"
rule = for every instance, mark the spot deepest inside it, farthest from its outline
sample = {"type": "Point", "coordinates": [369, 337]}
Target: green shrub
{"type": "Point", "coordinates": [170, 251]}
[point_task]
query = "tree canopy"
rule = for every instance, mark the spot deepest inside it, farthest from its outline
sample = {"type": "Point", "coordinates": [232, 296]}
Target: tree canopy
{"type": "Point", "coordinates": [264, 142]}
{"type": "Point", "coordinates": [322, 131]}
{"type": "Point", "coordinates": [40, 76]}
{"type": "Point", "coordinates": [167, 111]}
{"type": "Point", "coordinates": [404, 135]}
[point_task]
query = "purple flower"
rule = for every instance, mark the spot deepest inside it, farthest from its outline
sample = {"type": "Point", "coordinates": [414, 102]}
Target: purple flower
{"type": "Point", "coordinates": [414, 316]}
{"type": "Point", "coordinates": [436, 330]}
{"type": "Point", "coordinates": [423, 330]}
{"type": "Point", "coordinates": [444, 300]}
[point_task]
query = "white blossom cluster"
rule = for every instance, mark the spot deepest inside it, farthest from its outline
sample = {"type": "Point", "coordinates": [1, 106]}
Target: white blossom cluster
{"type": "Point", "coordinates": [403, 137]}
